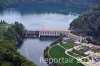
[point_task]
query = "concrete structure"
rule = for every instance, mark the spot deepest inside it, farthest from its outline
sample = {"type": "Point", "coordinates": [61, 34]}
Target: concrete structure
{"type": "Point", "coordinates": [53, 32]}
{"type": "Point", "coordinates": [76, 38]}
{"type": "Point", "coordinates": [46, 32]}
{"type": "Point", "coordinates": [32, 33]}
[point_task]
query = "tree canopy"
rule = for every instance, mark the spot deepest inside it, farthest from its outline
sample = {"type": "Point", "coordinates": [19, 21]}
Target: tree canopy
{"type": "Point", "coordinates": [88, 24]}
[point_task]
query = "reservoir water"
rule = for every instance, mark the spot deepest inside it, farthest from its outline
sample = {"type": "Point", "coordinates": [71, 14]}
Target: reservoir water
{"type": "Point", "coordinates": [34, 19]}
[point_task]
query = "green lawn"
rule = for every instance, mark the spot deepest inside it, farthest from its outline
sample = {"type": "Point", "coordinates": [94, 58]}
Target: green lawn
{"type": "Point", "coordinates": [73, 54]}
{"type": "Point", "coordinates": [68, 45]}
{"type": "Point", "coordinates": [58, 52]}
{"type": "Point", "coordinates": [79, 53]}
{"type": "Point", "coordinates": [76, 53]}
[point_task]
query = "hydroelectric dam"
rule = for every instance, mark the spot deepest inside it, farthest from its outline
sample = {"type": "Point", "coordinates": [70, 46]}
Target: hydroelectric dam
{"type": "Point", "coordinates": [45, 33]}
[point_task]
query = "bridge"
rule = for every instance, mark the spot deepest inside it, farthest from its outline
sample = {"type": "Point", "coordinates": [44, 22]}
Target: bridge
{"type": "Point", "coordinates": [46, 32]}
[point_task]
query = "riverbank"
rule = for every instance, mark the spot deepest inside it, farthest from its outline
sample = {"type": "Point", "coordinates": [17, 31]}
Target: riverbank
{"type": "Point", "coordinates": [9, 37]}
{"type": "Point", "coordinates": [46, 51]}
{"type": "Point", "coordinates": [57, 55]}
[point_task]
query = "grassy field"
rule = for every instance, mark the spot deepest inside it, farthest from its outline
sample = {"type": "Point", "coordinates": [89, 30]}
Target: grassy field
{"type": "Point", "coordinates": [76, 53]}
{"type": "Point", "coordinates": [57, 52]}
{"type": "Point", "coordinates": [68, 45]}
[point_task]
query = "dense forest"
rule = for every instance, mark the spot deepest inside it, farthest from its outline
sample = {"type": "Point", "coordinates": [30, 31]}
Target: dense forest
{"type": "Point", "coordinates": [10, 36]}
{"type": "Point", "coordinates": [88, 24]}
{"type": "Point", "coordinates": [76, 3]}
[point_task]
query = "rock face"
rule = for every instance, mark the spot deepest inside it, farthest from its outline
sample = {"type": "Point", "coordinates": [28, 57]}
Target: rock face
{"type": "Point", "coordinates": [88, 24]}
{"type": "Point", "coordinates": [76, 3]}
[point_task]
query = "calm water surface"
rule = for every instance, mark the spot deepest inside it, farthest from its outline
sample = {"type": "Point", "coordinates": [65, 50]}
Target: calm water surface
{"type": "Point", "coordinates": [37, 21]}
{"type": "Point", "coordinates": [33, 48]}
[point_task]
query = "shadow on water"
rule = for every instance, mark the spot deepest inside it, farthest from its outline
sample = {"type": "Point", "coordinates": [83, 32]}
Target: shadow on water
{"type": "Point", "coordinates": [40, 8]}
{"type": "Point", "coordinates": [18, 46]}
{"type": "Point", "coordinates": [47, 38]}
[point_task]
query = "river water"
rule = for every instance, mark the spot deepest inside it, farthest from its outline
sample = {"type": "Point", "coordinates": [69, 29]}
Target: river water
{"type": "Point", "coordinates": [34, 19]}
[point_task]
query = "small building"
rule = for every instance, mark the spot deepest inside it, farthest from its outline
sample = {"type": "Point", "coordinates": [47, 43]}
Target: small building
{"type": "Point", "coordinates": [67, 40]}
{"type": "Point", "coordinates": [95, 47]}
{"type": "Point", "coordinates": [79, 47]}
{"type": "Point", "coordinates": [76, 38]}
{"type": "Point", "coordinates": [89, 53]}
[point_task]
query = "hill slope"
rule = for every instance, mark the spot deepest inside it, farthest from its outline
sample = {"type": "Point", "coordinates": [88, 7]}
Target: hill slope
{"type": "Point", "coordinates": [76, 3]}
{"type": "Point", "coordinates": [8, 43]}
{"type": "Point", "coordinates": [88, 24]}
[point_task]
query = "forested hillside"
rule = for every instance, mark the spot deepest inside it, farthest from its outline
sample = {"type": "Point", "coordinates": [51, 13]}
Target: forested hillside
{"type": "Point", "coordinates": [10, 35]}
{"type": "Point", "coordinates": [88, 24]}
{"type": "Point", "coordinates": [76, 3]}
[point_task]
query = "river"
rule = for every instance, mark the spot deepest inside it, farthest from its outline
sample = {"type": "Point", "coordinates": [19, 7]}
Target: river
{"type": "Point", "coordinates": [35, 19]}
